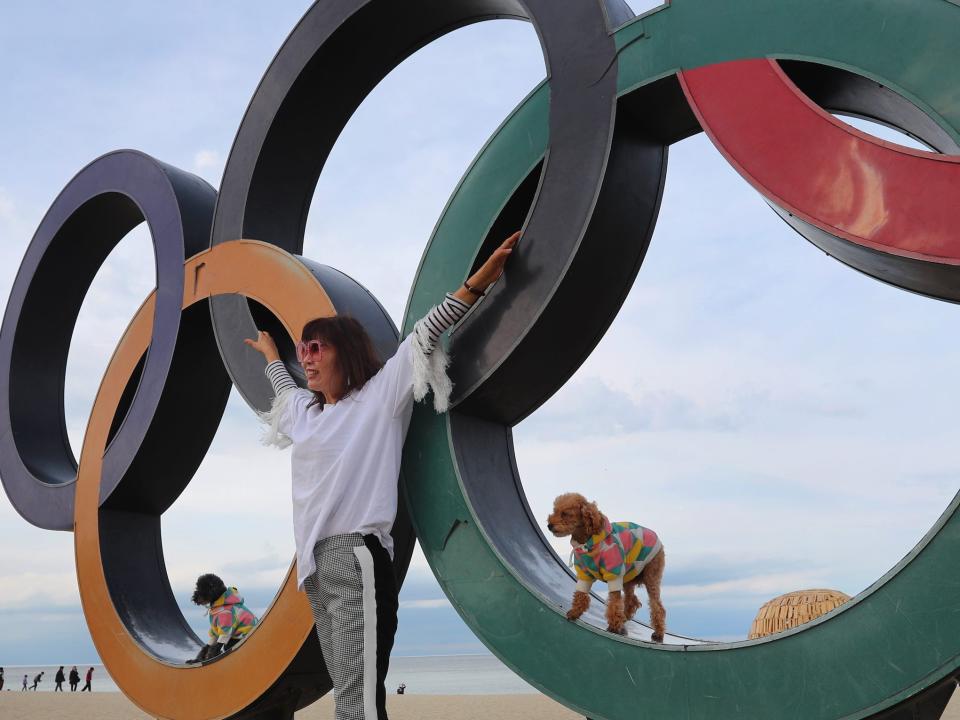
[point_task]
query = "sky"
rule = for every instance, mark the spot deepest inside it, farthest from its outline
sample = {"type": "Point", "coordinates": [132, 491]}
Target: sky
{"type": "Point", "coordinates": [781, 421]}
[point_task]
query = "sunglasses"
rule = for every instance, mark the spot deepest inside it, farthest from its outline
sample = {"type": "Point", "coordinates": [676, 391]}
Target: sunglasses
{"type": "Point", "coordinates": [310, 348]}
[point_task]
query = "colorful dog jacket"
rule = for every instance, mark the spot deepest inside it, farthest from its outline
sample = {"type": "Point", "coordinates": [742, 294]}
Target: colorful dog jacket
{"type": "Point", "coordinates": [616, 555]}
{"type": "Point", "coordinates": [229, 617]}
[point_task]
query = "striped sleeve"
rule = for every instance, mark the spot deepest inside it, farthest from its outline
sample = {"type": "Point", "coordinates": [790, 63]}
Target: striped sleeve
{"type": "Point", "coordinates": [279, 377]}
{"type": "Point", "coordinates": [439, 319]}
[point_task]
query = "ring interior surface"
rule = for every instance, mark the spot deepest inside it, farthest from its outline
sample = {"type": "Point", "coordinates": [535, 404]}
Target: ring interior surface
{"type": "Point", "coordinates": [97, 208]}
{"type": "Point", "coordinates": [133, 617]}
{"type": "Point", "coordinates": [463, 485]}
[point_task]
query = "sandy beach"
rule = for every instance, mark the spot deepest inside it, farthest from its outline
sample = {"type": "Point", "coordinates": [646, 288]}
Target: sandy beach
{"type": "Point", "coordinates": [114, 706]}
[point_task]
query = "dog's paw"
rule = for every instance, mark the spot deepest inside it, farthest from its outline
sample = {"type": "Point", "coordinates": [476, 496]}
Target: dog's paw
{"type": "Point", "coordinates": [656, 637]}
{"type": "Point", "coordinates": [573, 615]}
{"type": "Point", "coordinates": [617, 631]}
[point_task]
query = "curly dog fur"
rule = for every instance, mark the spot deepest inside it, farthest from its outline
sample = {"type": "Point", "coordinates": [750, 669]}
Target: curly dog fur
{"type": "Point", "coordinates": [209, 588]}
{"type": "Point", "coordinates": [573, 515]}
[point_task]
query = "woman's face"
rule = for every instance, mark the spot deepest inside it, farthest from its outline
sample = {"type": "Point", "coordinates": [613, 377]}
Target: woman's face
{"type": "Point", "coordinates": [320, 366]}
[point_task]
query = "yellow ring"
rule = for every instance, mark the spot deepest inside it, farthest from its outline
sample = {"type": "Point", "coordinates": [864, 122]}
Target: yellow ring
{"type": "Point", "coordinates": [278, 281]}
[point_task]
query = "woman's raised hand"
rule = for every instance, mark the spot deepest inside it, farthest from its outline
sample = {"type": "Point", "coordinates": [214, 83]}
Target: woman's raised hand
{"type": "Point", "coordinates": [264, 345]}
{"type": "Point", "coordinates": [490, 270]}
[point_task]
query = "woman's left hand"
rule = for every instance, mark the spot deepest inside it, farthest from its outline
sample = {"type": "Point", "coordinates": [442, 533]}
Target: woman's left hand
{"type": "Point", "coordinates": [493, 267]}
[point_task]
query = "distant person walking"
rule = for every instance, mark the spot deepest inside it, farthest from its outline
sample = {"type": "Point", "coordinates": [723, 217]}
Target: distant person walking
{"type": "Point", "coordinates": [58, 679]}
{"type": "Point", "coordinates": [37, 679]}
{"type": "Point", "coordinates": [74, 679]}
{"type": "Point", "coordinates": [24, 684]}
{"type": "Point", "coordinates": [89, 678]}
{"type": "Point", "coordinates": [1, 678]}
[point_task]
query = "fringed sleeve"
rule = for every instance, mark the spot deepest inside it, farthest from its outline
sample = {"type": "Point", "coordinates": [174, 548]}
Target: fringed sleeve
{"type": "Point", "coordinates": [278, 417]}
{"type": "Point", "coordinates": [430, 360]}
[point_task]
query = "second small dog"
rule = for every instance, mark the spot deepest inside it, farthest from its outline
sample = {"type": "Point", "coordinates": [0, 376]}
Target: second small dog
{"type": "Point", "coordinates": [621, 554]}
{"type": "Point", "coordinates": [230, 620]}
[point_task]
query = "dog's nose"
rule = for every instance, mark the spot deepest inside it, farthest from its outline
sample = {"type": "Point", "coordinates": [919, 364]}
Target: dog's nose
{"type": "Point", "coordinates": [550, 527]}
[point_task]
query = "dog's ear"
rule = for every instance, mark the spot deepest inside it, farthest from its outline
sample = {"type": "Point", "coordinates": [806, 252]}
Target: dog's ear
{"type": "Point", "coordinates": [592, 517]}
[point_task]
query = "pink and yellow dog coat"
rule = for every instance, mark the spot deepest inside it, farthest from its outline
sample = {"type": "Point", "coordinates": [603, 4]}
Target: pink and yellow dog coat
{"type": "Point", "coordinates": [229, 618]}
{"type": "Point", "coordinates": [616, 555]}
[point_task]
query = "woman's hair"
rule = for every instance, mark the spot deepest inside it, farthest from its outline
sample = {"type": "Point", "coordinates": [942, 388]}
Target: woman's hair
{"type": "Point", "coordinates": [357, 360]}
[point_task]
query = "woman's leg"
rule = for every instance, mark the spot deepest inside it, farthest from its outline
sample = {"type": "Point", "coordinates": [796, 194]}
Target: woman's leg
{"type": "Point", "coordinates": [319, 599]}
{"type": "Point", "coordinates": [356, 622]}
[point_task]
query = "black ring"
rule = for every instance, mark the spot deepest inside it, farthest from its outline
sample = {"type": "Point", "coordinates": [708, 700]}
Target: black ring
{"type": "Point", "coordinates": [307, 96]}
{"type": "Point", "coordinates": [96, 209]}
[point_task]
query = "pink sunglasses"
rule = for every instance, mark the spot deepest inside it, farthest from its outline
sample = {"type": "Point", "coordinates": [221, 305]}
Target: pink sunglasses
{"type": "Point", "coordinates": [310, 348]}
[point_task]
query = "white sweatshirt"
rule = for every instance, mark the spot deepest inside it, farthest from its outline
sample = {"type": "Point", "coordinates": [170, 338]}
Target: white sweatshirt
{"type": "Point", "coordinates": [346, 456]}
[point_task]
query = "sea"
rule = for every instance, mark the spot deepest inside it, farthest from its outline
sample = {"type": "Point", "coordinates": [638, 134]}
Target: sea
{"type": "Point", "coordinates": [430, 675]}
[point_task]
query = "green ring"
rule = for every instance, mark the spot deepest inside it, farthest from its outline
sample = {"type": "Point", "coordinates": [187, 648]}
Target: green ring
{"type": "Point", "coordinates": [896, 639]}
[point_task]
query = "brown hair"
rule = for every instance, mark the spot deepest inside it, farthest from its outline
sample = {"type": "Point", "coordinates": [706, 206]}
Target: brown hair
{"type": "Point", "coordinates": [357, 360]}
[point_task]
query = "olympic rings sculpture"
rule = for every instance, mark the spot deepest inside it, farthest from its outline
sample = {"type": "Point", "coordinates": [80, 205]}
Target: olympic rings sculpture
{"type": "Point", "coordinates": [582, 163]}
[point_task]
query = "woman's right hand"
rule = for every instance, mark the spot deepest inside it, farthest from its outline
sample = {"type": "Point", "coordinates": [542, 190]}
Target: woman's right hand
{"type": "Point", "coordinates": [264, 345]}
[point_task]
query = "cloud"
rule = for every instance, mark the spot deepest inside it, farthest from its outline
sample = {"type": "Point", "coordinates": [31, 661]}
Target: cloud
{"type": "Point", "coordinates": [711, 568]}
{"type": "Point", "coordinates": [206, 159]}
{"type": "Point", "coordinates": [31, 590]}
{"type": "Point", "coordinates": [15, 233]}
{"type": "Point", "coordinates": [7, 207]}
{"type": "Point", "coordinates": [742, 590]}
{"type": "Point", "coordinates": [209, 164]}
{"type": "Point", "coordinates": [431, 604]}
{"type": "Point", "coordinates": [273, 561]}
{"type": "Point", "coordinates": [589, 407]}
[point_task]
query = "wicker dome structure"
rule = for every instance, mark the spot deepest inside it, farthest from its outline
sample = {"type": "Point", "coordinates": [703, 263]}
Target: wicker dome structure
{"type": "Point", "coordinates": [794, 608]}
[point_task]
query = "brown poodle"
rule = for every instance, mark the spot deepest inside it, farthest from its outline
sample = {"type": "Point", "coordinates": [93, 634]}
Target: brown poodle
{"type": "Point", "coordinates": [620, 554]}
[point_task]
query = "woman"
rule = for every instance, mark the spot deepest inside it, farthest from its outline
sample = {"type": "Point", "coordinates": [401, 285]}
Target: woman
{"type": "Point", "coordinates": [347, 430]}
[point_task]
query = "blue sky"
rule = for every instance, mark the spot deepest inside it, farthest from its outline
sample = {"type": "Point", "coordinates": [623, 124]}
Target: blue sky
{"type": "Point", "coordinates": [782, 422]}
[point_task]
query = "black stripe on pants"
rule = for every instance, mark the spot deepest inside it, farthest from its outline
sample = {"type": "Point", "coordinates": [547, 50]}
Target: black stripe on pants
{"type": "Point", "coordinates": [387, 605]}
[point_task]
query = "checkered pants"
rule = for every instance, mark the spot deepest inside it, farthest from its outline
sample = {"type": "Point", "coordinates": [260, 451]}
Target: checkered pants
{"type": "Point", "coordinates": [353, 594]}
